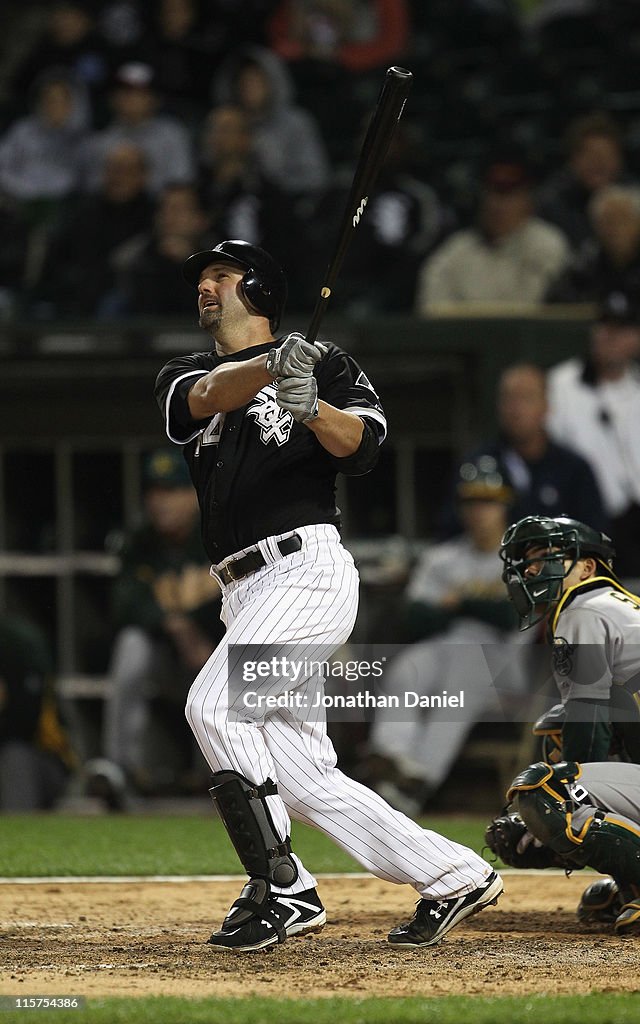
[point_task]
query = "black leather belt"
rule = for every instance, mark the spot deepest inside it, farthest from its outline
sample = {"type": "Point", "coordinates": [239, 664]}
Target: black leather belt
{"type": "Point", "coordinates": [254, 560]}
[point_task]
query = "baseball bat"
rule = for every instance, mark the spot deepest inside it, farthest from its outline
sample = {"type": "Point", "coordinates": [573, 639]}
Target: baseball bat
{"type": "Point", "coordinates": [387, 113]}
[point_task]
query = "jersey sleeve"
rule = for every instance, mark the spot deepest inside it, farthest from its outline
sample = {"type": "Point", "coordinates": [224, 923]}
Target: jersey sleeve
{"type": "Point", "coordinates": [582, 656]}
{"type": "Point", "coordinates": [172, 387]}
{"type": "Point", "coordinates": [343, 384]}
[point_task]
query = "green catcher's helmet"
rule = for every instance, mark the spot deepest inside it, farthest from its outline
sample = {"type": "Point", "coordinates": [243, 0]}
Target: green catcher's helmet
{"type": "Point", "coordinates": [554, 541]}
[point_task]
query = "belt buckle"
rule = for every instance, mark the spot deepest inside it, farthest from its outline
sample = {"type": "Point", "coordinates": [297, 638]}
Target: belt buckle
{"type": "Point", "coordinates": [226, 575]}
{"type": "Point", "coordinates": [229, 571]}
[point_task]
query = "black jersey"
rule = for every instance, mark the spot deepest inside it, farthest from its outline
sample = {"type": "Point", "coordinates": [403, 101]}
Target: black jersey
{"type": "Point", "coordinates": [258, 472]}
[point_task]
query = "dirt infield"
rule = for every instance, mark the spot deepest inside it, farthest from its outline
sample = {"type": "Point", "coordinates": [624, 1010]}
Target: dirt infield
{"type": "Point", "coordinates": [134, 939]}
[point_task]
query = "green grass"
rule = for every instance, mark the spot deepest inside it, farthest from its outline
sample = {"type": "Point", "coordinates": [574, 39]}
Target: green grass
{"type": "Point", "coordinates": [42, 845]}
{"type": "Point", "coordinates": [579, 1009]}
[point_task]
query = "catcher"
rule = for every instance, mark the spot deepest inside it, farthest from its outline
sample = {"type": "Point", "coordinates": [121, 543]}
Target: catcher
{"type": "Point", "coordinates": [573, 816]}
{"type": "Point", "coordinates": [561, 570]}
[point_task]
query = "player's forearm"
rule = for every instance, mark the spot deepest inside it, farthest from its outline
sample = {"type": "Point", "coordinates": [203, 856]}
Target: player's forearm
{"type": "Point", "coordinates": [586, 733]}
{"type": "Point", "coordinates": [228, 387]}
{"type": "Point", "coordinates": [339, 432]}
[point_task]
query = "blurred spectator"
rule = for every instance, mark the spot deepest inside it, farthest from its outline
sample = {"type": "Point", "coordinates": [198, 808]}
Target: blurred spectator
{"type": "Point", "coordinates": [508, 258]}
{"type": "Point", "coordinates": [335, 50]}
{"type": "Point", "coordinates": [150, 278]}
{"type": "Point", "coordinates": [166, 614]}
{"type": "Point", "coordinates": [595, 158]}
{"type": "Point", "coordinates": [39, 153]}
{"type": "Point", "coordinates": [69, 40]}
{"type": "Point", "coordinates": [455, 603]}
{"type": "Point", "coordinates": [288, 145]}
{"type": "Point", "coordinates": [35, 754]}
{"type": "Point", "coordinates": [404, 221]}
{"type": "Point", "coordinates": [610, 261]}
{"type": "Point", "coordinates": [122, 26]}
{"type": "Point", "coordinates": [594, 407]}
{"type": "Point", "coordinates": [82, 263]}
{"type": "Point", "coordinates": [548, 478]}
{"type": "Point", "coordinates": [165, 142]}
{"type": "Point", "coordinates": [361, 36]}
{"type": "Point", "coordinates": [241, 202]}
{"type": "Point", "coordinates": [39, 171]}
{"type": "Point", "coordinates": [181, 47]}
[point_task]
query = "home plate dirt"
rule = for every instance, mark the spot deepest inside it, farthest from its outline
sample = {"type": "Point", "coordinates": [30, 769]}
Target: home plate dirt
{"type": "Point", "coordinates": [149, 938]}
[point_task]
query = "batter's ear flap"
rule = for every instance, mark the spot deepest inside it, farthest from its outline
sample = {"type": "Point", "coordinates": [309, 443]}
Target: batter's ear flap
{"type": "Point", "coordinates": [256, 292]}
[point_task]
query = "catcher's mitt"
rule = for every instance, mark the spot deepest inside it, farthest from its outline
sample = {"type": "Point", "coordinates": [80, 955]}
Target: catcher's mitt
{"type": "Point", "coordinates": [508, 837]}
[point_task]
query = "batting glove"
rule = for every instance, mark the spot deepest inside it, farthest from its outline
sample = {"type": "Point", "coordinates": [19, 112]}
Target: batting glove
{"type": "Point", "coordinates": [299, 396]}
{"type": "Point", "coordinates": [295, 357]}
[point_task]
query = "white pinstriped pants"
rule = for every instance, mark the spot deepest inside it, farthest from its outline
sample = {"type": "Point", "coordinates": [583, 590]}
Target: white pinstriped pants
{"type": "Point", "coordinates": [311, 598]}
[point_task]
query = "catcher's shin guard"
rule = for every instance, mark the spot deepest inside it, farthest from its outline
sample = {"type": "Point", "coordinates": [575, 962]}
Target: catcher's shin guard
{"type": "Point", "coordinates": [243, 808]}
{"type": "Point", "coordinates": [559, 812]}
{"type": "Point", "coordinates": [540, 795]}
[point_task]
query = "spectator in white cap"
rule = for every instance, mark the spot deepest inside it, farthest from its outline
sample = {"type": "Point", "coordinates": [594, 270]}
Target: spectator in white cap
{"type": "Point", "coordinates": [138, 119]}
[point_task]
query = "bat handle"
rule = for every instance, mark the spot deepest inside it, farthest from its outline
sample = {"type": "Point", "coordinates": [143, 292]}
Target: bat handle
{"type": "Point", "coordinates": [318, 313]}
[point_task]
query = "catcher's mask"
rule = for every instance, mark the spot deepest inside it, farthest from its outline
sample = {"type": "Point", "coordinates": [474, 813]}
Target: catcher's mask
{"type": "Point", "coordinates": [263, 284]}
{"type": "Point", "coordinates": [534, 551]}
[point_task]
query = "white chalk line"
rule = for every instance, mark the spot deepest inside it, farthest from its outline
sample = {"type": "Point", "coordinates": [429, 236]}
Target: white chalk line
{"type": "Point", "coordinates": [182, 879]}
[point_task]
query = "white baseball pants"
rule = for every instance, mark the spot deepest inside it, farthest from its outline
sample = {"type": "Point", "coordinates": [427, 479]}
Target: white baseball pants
{"type": "Point", "coordinates": [311, 598]}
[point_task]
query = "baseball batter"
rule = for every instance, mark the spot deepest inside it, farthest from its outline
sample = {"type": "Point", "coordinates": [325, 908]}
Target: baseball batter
{"type": "Point", "coordinates": [573, 816]}
{"type": "Point", "coordinates": [563, 569]}
{"type": "Point", "coordinates": [265, 425]}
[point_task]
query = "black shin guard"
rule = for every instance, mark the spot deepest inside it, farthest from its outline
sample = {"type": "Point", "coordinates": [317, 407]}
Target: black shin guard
{"type": "Point", "coordinates": [243, 808]}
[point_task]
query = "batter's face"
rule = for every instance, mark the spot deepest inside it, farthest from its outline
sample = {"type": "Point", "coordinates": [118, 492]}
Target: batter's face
{"type": "Point", "coordinates": [220, 301]}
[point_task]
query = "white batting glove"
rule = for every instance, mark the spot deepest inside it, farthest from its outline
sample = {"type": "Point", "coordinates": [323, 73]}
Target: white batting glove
{"type": "Point", "coordinates": [295, 357]}
{"type": "Point", "coordinates": [299, 396]}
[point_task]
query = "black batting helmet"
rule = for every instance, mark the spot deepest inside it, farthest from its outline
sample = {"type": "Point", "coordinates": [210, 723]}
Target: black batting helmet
{"type": "Point", "coordinates": [263, 285]}
{"type": "Point", "coordinates": [547, 543]}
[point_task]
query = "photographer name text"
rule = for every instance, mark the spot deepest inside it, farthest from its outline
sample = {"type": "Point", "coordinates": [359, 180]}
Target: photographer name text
{"type": "Point", "coordinates": [363, 699]}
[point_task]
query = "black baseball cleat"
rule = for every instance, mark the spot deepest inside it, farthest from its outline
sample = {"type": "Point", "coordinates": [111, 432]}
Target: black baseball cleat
{"type": "Point", "coordinates": [252, 925]}
{"type": "Point", "coordinates": [434, 918]}
{"type": "Point", "coordinates": [601, 902]}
